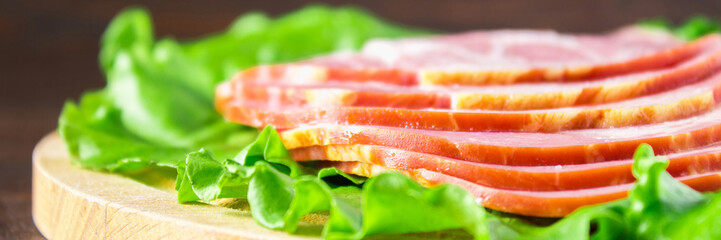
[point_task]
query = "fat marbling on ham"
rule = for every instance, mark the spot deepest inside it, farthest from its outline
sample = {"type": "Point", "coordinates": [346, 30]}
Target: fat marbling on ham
{"type": "Point", "coordinates": [531, 122]}
{"type": "Point", "coordinates": [681, 102]}
{"type": "Point", "coordinates": [531, 203]}
{"type": "Point", "coordinates": [499, 57]}
{"type": "Point", "coordinates": [528, 178]}
{"type": "Point", "coordinates": [262, 84]}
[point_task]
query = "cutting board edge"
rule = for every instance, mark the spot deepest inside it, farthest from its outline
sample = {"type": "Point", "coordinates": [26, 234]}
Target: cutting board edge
{"type": "Point", "coordinates": [62, 211]}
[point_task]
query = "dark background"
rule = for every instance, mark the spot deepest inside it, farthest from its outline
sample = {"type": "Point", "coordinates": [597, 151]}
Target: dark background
{"type": "Point", "coordinates": [48, 53]}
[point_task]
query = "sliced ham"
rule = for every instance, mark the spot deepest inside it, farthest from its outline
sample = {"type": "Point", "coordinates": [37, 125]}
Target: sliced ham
{"type": "Point", "coordinates": [522, 149]}
{"type": "Point", "coordinates": [516, 56]}
{"type": "Point", "coordinates": [515, 49]}
{"type": "Point", "coordinates": [530, 203]}
{"type": "Point", "coordinates": [554, 111]}
{"type": "Point", "coordinates": [537, 178]}
{"type": "Point", "coordinates": [293, 89]}
{"type": "Point", "coordinates": [279, 89]}
{"type": "Point", "coordinates": [683, 102]}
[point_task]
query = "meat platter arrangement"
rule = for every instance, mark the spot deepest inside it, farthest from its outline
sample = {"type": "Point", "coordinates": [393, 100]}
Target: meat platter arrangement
{"type": "Point", "coordinates": [371, 129]}
{"type": "Point", "coordinates": [531, 122]}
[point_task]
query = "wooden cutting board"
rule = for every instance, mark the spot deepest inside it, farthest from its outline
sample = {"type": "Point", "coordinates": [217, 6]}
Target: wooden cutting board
{"type": "Point", "coordinates": [74, 203]}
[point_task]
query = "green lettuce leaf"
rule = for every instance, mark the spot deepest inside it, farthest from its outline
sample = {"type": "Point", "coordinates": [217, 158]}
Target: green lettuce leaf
{"type": "Point", "coordinates": [657, 199]}
{"type": "Point", "coordinates": [94, 135]}
{"type": "Point", "coordinates": [693, 28]}
{"type": "Point", "coordinates": [158, 102]}
{"type": "Point", "coordinates": [658, 206]}
{"type": "Point", "coordinates": [279, 195]}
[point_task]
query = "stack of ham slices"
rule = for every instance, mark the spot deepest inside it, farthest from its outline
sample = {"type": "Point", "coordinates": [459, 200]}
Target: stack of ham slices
{"type": "Point", "coordinates": [531, 122]}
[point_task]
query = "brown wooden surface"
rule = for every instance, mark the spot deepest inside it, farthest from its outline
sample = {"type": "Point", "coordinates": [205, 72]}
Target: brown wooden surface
{"type": "Point", "coordinates": [48, 53]}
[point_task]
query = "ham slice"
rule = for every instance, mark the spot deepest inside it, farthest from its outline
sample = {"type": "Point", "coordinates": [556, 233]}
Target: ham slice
{"type": "Point", "coordinates": [281, 88]}
{"type": "Point", "coordinates": [530, 203]}
{"type": "Point", "coordinates": [502, 57]}
{"type": "Point", "coordinates": [521, 149]}
{"type": "Point", "coordinates": [536, 178]}
{"type": "Point", "coordinates": [683, 102]}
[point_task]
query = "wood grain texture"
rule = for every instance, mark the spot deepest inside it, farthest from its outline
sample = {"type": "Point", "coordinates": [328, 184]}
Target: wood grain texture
{"type": "Point", "coordinates": [73, 203]}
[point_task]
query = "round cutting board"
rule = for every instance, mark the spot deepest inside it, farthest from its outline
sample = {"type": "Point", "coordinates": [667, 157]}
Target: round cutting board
{"type": "Point", "coordinates": [74, 203]}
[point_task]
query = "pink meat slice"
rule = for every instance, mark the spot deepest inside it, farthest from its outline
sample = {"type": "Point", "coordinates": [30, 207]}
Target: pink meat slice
{"type": "Point", "coordinates": [530, 203]}
{"type": "Point", "coordinates": [294, 89]}
{"type": "Point", "coordinates": [502, 50]}
{"type": "Point", "coordinates": [243, 106]}
{"type": "Point", "coordinates": [521, 149]}
{"type": "Point", "coordinates": [505, 57]}
{"type": "Point", "coordinates": [532, 178]}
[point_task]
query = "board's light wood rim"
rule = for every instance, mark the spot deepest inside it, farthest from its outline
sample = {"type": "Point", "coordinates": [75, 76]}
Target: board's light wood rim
{"type": "Point", "coordinates": [73, 203]}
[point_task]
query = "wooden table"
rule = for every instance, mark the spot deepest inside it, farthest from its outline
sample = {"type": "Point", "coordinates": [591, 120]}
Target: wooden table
{"type": "Point", "coordinates": [48, 53]}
